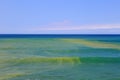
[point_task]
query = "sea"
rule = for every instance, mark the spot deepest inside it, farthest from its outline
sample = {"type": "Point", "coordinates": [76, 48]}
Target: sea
{"type": "Point", "coordinates": [59, 57]}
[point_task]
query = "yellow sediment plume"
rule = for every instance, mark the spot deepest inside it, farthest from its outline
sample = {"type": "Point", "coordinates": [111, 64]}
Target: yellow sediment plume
{"type": "Point", "coordinates": [2, 54]}
{"type": "Point", "coordinates": [2, 59]}
{"type": "Point", "coordinates": [11, 75]}
{"type": "Point", "coordinates": [94, 44]}
{"type": "Point", "coordinates": [5, 60]}
{"type": "Point", "coordinates": [6, 46]}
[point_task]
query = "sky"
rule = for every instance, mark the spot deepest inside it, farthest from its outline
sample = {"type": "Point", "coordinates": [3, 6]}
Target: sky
{"type": "Point", "coordinates": [59, 16]}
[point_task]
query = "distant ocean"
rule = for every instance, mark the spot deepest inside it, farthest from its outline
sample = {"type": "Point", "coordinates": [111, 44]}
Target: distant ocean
{"type": "Point", "coordinates": [59, 57]}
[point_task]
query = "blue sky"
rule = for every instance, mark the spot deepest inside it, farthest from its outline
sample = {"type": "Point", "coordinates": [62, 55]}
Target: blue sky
{"type": "Point", "coordinates": [59, 16]}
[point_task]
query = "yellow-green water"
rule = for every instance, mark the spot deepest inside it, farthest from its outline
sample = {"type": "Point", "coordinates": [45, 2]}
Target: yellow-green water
{"type": "Point", "coordinates": [59, 59]}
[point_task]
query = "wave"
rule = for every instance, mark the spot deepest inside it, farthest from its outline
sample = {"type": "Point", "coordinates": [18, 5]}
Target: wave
{"type": "Point", "coordinates": [56, 62]}
{"type": "Point", "coordinates": [48, 60]}
{"type": "Point", "coordinates": [71, 60]}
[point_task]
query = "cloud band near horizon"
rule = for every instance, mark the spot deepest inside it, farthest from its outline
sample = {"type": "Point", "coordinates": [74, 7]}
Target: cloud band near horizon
{"type": "Point", "coordinates": [69, 28]}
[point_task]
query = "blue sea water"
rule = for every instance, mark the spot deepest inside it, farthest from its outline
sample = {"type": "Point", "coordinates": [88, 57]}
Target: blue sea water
{"type": "Point", "coordinates": [59, 57]}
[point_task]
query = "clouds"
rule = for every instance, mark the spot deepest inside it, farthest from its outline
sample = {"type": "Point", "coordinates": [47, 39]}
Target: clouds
{"type": "Point", "coordinates": [91, 27]}
{"type": "Point", "coordinates": [66, 26]}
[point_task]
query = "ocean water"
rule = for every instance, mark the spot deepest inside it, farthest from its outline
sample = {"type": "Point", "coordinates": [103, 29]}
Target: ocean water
{"type": "Point", "coordinates": [59, 57]}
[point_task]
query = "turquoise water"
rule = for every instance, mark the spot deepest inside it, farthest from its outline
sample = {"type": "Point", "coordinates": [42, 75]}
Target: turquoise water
{"type": "Point", "coordinates": [63, 58]}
